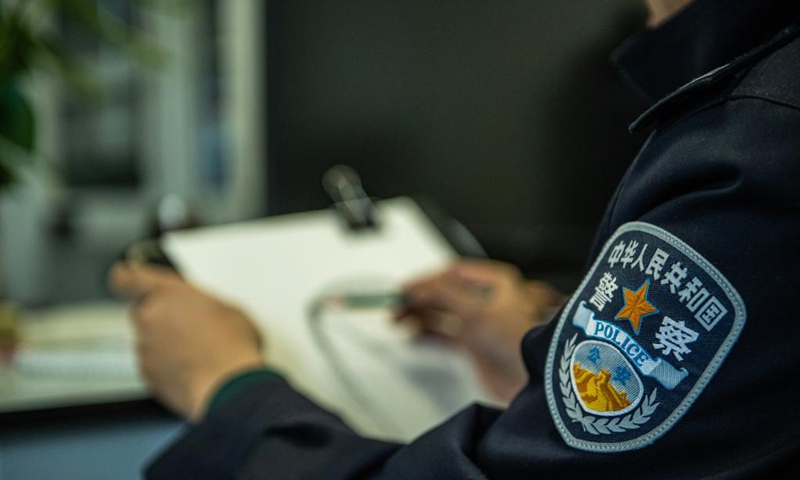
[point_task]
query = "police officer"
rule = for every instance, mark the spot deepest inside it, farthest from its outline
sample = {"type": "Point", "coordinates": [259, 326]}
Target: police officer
{"type": "Point", "coordinates": [675, 358]}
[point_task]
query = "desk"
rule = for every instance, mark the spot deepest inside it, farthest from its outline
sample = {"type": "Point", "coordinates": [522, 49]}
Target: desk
{"type": "Point", "coordinates": [108, 442]}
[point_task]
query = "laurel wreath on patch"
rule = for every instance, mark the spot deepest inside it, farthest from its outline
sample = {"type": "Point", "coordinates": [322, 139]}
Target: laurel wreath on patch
{"type": "Point", "coordinates": [595, 425]}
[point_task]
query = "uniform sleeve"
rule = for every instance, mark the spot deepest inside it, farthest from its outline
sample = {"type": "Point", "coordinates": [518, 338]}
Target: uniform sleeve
{"type": "Point", "coordinates": [268, 430]}
{"type": "Point", "coordinates": [725, 182]}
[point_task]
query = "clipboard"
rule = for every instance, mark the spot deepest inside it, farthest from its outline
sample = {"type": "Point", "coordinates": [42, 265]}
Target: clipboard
{"type": "Point", "coordinates": [398, 385]}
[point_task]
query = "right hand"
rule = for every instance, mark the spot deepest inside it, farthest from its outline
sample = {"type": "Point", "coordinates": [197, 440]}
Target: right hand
{"type": "Point", "coordinates": [486, 307]}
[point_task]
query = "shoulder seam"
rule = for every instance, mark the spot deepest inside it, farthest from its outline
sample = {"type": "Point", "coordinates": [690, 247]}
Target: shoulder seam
{"type": "Point", "coordinates": [765, 98]}
{"type": "Point", "coordinates": [731, 98]}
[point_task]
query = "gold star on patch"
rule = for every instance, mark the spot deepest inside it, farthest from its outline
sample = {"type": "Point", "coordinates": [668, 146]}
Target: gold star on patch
{"type": "Point", "coordinates": [636, 306]}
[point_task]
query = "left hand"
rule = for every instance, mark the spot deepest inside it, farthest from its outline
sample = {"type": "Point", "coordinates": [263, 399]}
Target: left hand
{"type": "Point", "coordinates": [188, 342]}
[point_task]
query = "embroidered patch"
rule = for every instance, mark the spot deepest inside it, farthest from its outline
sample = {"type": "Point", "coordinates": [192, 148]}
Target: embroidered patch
{"type": "Point", "coordinates": [638, 342]}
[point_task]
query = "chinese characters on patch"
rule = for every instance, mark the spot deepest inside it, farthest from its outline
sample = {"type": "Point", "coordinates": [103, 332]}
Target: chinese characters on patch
{"type": "Point", "coordinates": [673, 335]}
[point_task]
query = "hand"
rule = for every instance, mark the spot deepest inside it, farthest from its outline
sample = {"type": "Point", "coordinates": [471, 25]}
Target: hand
{"type": "Point", "coordinates": [188, 342]}
{"type": "Point", "coordinates": [486, 307]}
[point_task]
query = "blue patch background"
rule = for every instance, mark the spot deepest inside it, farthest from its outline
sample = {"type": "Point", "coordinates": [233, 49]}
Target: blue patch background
{"type": "Point", "coordinates": [707, 352]}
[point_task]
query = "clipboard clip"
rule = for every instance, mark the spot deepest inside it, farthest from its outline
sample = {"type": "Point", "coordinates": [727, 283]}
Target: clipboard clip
{"type": "Point", "coordinates": [354, 207]}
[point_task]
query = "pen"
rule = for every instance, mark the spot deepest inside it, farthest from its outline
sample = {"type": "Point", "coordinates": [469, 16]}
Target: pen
{"type": "Point", "coordinates": [386, 299]}
{"type": "Point", "coordinates": [389, 299]}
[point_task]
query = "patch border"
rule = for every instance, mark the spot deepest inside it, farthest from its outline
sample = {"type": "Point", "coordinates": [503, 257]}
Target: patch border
{"type": "Point", "coordinates": [711, 369]}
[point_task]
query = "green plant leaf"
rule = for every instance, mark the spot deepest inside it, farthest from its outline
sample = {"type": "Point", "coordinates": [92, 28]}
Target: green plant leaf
{"type": "Point", "coordinates": [7, 176]}
{"type": "Point", "coordinates": [15, 45]}
{"type": "Point", "coordinates": [113, 31]}
{"type": "Point", "coordinates": [17, 121]}
{"type": "Point", "coordinates": [52, 54]}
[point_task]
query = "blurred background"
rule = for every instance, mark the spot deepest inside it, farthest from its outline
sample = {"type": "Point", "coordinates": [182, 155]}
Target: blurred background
{"type": "Point", "coordinates": [123, 118]}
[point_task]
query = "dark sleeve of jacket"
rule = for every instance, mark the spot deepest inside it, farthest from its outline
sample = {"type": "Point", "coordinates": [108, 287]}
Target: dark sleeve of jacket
{"type": "Point", "coordinates": [724, 177]}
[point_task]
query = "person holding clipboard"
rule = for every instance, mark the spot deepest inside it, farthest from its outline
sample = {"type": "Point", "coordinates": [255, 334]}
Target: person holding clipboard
{"type": "Point", "coordinates": [675, 358]}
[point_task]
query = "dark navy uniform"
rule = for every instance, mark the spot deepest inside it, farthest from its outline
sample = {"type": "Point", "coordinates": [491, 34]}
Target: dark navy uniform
{"type": "Point", "coordinates": [677, 357]}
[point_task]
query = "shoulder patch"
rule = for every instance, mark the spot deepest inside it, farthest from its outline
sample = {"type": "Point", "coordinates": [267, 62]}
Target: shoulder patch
{"type": "Point", "coordinates": [639, 341]}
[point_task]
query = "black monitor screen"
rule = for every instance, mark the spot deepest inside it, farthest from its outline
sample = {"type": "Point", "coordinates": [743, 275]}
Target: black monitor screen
{"type": "Point", "coordinates": [508, 114]}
